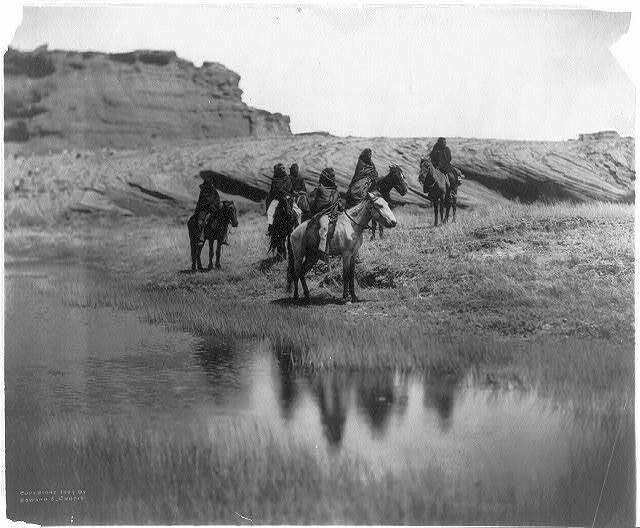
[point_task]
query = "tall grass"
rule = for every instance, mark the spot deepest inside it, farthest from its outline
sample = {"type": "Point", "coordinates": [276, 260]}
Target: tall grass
{"type": "Point", "coordinates": [447, 297]}
{"type": "Point", "coordinates": [230, 472]}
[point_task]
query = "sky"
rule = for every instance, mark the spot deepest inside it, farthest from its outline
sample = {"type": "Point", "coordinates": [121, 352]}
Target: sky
{"type": "Point", "coordinates": [387, 70]}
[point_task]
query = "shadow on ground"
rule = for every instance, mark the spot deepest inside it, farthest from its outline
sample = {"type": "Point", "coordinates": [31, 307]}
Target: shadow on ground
{"type": "Point", "coordinates": [314, 300]}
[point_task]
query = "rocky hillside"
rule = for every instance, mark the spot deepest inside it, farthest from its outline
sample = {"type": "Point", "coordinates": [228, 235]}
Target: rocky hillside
{"type": "Point", "coordinates": [164, 180]}
{"type": "Point", "coordinates": [87, 100]}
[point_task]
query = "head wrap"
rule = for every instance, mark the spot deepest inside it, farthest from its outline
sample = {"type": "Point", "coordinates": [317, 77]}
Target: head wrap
{"type": "Point", "coordinates": [208, 176]}
{"type": "Point", "coordinates": [328, 177]}
{"type": "Point", "coordinates": [365, 156]}
{"type": "Point", "coordinates": [279, 171]}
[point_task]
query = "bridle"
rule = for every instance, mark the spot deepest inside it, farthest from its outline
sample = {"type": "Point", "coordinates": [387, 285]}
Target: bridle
{"type": "Point", "coordinates": [353, 220]}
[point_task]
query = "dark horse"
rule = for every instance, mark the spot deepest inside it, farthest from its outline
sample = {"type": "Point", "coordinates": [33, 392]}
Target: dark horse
{"type": "Point", "coordinates": [285, 220]}
{"type": "Point", "coordinates": [452, 201]}
{"type": "Point", "coordinates": [393, 180]}
{"type": "Point", "coordinates": [435, 184]}
{"type": "Point", "coordinates": [215, 230]}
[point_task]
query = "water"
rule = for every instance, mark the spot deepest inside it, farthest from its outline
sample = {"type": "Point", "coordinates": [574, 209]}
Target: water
{"type": "Point", "coordinates": [67, 364]}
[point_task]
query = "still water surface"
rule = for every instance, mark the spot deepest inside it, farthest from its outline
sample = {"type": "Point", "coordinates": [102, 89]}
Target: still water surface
{"type": "Point", "coordinates": [70, 363]}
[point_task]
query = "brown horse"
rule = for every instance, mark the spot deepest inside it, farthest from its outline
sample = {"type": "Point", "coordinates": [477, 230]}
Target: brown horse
{"type": "Point", "coordinates": [435, 184]}
{"type": "Point", "coordinates": [215, 230]}
{"type": "Point", "coordinates": [393, 180]}
{"type": "Point", "coordinates": [346, 241]}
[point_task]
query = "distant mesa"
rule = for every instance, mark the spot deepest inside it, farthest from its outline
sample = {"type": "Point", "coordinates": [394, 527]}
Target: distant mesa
{"type": "Point", "coordinates": [90, 100]}
{"type": "Point", "coordinates": [598, 136]}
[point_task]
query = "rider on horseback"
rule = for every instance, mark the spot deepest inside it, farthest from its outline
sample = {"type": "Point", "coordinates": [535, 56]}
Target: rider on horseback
{"type": "Point", "coordinates": [326, 205]}
{"type": "Point", "coordinates": [208, 203]}
{"type": "Point", "coordinates": [364, 179]}
{"type": "Point", "coordinates": [297, 182]}
{"type": "Point", "coordinates": [280, 188]}
{"type": "Point", "coordinates": [440, 156]}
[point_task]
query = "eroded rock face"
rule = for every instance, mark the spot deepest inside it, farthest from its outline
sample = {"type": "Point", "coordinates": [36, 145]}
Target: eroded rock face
{"type": "Point", "coordinates": [88, 100]}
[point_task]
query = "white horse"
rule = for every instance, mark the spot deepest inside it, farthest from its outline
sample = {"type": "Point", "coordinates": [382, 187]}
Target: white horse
{"type": "Point", "coordinates": [346, 241]}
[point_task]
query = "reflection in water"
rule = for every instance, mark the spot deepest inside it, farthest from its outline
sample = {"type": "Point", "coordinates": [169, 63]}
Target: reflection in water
{"type": "Point", "coordinates": [331, 391]}
{"type": "Point", "coordinates": [378, 396]}
{"type": "Point", "coordinates": [439, 394]}
{"type": "Point", "coordinates": [287, 387]}
{"type": "Point", "coordinates": [524, 455]}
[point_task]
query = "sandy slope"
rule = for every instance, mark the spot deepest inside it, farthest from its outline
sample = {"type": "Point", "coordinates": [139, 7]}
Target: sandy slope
{"type": "Point", "coordinates": [163, 179]}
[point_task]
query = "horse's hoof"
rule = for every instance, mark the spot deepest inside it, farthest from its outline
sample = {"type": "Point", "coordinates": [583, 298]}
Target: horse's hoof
{"type": "Point", "coordinates": [218, 266]}
{"type": "Point", "coordinates": [354, 299]}
{"type": "Point", "coordinates": [209, 268]}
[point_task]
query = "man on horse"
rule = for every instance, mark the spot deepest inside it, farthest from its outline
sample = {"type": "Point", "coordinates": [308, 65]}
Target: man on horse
{"type": "Point", "coordinates": [440, 156]}
{"type": "Point", "coordinates": [364, 179]}
{"type": "Point", "coordinates": [208, 204]}
{"type": "Point", "coordinates": [297, 182]}
{"type": "Point", "coordinates": [280, 189]}
{"type": "Point", "coordinates": [326, 204]}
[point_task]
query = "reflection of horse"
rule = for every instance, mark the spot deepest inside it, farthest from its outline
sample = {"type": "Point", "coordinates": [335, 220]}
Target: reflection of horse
{"type": "Point", "coordinates": [215, 230]}
{"type": "Point", "coordinates": [393, 180]}
{"type": "Point", "coordinates": [436, 186]}
{"type": "Point", "coordinates": [439, 393]}
{"type": "Point", "coordinates": [346, 241]}
{"type": "Point", "coordinates": [331, 391]}
{"type": "Point", "coordinates": [285, 353]}
{"type": "Point", "coordinates": [284, 221]}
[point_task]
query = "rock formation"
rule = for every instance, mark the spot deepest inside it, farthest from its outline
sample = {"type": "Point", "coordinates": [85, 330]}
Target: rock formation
{"type": "Point", "coordinates": [87, 100]}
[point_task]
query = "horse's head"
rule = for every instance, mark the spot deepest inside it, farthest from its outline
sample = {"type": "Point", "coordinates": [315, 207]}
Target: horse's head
{"type": "Point", "coordinates": [230, 212]}
{"type": "Point", "coordinates": [380, 210]}
{"type": "Point", "coordinates": [397, 179]}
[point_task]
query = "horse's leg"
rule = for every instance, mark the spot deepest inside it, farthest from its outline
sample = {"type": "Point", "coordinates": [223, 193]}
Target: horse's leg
{"type": "Point", "coordinates": [198, 257]}
{"type": "Point", "coordinates": [373, 229]}
{"type": "Point", "coordinates": [192, 247]}
{"type": "Point", "coordinates": [435, 212]}
{"type": "Point", "coordinates": [345, 276]}
{"type": "Point", "coordinates": [210, 266]}
{"type": "Point", "coordinates": [380, 230]}
{"type": "Point", "coordinates": [352, 275]}
{"type": "Point", "coordinates": [306, 267]}
{"type": "Point", "coordinates": [454, 205]}
{"type": "Point", "coordinates": [218, 252]}
{"type": "Point", "coordinates": [446, 214]}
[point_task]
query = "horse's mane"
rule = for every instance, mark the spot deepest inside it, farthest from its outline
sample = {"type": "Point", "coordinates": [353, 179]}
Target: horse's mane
{"type": "Point", "coordinates": [361, 205]}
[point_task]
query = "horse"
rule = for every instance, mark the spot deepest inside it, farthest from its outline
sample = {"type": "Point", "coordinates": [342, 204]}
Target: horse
{"type": "Point", "coordinates": [435, 184]}
{"type": "Point", "coordinates": [454, 182]}
{"type": "Point", "coordinates": [285, 220]}
{"type": "Point", "coordinates": [215, 230]}
{"type": "Point", "coordinates": [301, 200]}
{"type": "Point", "coordinates": [393, 180]}
{"type": "Point", "coordinates": [346, 241]}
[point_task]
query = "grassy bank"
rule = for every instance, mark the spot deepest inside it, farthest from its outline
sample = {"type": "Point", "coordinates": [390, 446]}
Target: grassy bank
{"type": "Point", "coordinates": [504, 273]}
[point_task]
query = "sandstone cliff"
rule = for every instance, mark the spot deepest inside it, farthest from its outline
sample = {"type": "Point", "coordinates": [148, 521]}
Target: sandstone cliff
{"type": "Point", "coordinates": [164, 180]}
{"type": "Point", "coordinates": [87, 100]}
